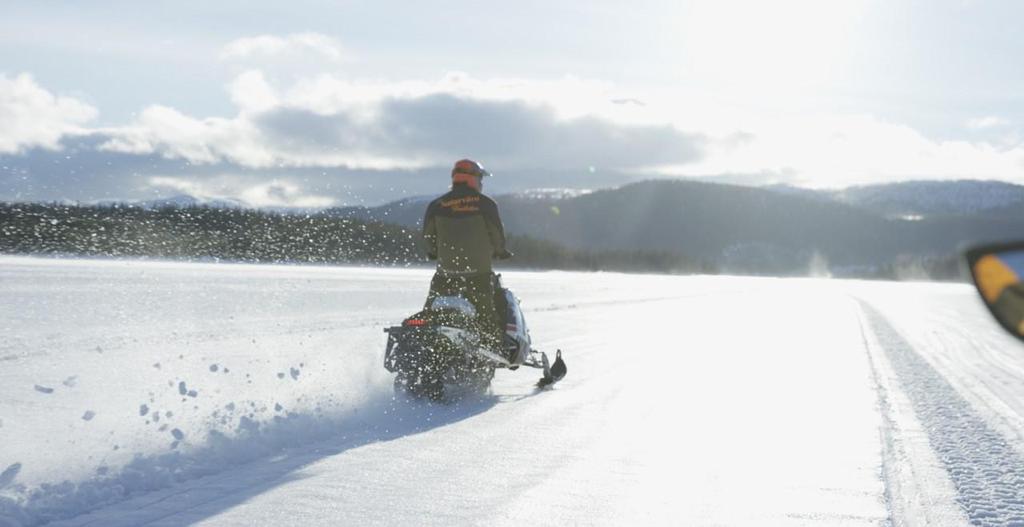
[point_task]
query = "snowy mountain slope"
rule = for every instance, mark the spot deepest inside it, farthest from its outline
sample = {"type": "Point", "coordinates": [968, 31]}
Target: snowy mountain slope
{"type": "Point", "coordinates": [917, 199]}
{"type": "Point", "coordinates": [689, 400]}
{"type": "Point", "coordinates": [926, 198]}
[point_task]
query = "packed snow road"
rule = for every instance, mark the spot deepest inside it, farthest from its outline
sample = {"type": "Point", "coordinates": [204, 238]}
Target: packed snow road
{"type": "Point", "coordinates": [167, 394]}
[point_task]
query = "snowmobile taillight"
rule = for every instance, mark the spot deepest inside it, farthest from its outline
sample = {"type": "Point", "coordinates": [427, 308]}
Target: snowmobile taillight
{"type": "Point", "coordinates": [415, 322]}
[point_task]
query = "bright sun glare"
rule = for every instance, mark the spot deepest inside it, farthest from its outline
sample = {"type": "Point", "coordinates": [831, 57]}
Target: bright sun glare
{"type": "Point", "coordinates": [750, 45]}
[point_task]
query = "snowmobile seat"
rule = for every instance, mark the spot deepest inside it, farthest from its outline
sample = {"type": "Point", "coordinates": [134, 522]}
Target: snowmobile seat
{"type": "Point", "coordinates": [456, 303]}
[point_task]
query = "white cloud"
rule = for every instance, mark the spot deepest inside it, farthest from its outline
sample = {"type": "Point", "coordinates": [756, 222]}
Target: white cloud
{"type": "Point", "coordinates": [180, 185]}
{"type": "Point", "coordinates": [558, 126]}
{"type": "Point", "coordinates": [841, 150]}
{"type": "Point", "coordinates": [164, 130]}
{"type": "Point", "coordinates": [31, 117]}
{"type": "Point", "coordinates": [278, 193]}
{"type": "Point", "coordinates": [251, 92]}
{"type": "Point", "coordinates": [275, 192]}
{"type": "Point", "coordinates": [330, 122]}
{"type": "Point", "coordinates": [984, 123]}
{"type": "Point", "coordinates": [265, 46]}
{"type": "Point", "coordinates": [568, 96]}
{"type": "Point", "coordinates": [562, 124]}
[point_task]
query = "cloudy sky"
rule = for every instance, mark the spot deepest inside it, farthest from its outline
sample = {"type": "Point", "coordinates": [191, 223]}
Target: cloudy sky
{"type": "Point", "coordinates": [316, 103]}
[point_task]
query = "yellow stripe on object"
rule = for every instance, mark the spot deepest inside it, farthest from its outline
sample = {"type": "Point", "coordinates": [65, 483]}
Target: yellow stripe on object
{"type": "Point", "coordinates": [993, 276]}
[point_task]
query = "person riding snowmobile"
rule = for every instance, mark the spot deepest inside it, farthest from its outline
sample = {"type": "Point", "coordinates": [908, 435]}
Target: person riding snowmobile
{"type": "Point", "coordinates": [464, 233]}
{"type": "Point", "coordinates": [471, 325]}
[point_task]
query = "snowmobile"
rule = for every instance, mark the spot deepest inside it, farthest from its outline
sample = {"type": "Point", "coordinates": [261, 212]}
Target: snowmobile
{"type": "Point", "coordinates": [444, 349]}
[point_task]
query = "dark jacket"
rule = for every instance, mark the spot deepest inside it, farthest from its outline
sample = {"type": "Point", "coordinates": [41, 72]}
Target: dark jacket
{"type": "Point", "coordinates": [463, 232]}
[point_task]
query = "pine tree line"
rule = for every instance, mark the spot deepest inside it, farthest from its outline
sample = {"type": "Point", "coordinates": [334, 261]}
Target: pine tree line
{"type": "Point", "coordinates": [243, 235]}
{"type": "Point", "coordinates": [248, 235]}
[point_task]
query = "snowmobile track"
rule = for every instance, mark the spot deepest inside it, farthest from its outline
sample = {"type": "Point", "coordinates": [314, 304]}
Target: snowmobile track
{"type": "Point", "coordinates": [987, 472]}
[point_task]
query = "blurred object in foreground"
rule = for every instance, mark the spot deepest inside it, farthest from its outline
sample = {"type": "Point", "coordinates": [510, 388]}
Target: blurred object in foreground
{"type": "Point", "coordinates": [996, 271]}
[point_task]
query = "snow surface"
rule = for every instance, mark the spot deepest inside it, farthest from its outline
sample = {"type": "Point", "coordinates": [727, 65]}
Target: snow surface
{"type": "Point", "coordinates": [145, 393]}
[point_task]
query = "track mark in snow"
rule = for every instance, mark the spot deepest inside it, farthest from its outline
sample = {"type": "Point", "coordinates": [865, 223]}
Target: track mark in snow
{"type": "Point", "coordinates": [43, 389]}
{"type": "Point", "coordinates": [986, 470]}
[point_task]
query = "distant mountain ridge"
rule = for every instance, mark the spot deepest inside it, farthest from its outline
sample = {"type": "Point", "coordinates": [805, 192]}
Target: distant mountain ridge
{"type": "Point", "coordinates": [925, 198]}
{"type": "Point", "coordinates": [908, 199]}
{"type": "Point", "coordinates": [749, 229]}
{"type": "Point", "coordinates": [920, 198]}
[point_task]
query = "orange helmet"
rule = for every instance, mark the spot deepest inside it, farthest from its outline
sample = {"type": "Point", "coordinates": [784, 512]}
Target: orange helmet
{"type": "Point", "coordinates": [469, 172]}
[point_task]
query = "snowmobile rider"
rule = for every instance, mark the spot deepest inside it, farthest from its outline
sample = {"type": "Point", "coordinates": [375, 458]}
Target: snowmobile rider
{"type": "Point", "coordinates": [463, 232]}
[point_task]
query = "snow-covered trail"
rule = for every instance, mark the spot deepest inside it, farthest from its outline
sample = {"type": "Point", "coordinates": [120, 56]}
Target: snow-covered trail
{"type": "Point", "coordinates": [689, 400]}
{"type": "Point", "coordinates": [953, 388]}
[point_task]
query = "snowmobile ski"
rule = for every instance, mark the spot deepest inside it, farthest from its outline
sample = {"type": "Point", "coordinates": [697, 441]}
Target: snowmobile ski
{"type": "Point", "coordinates": [552, 372]}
